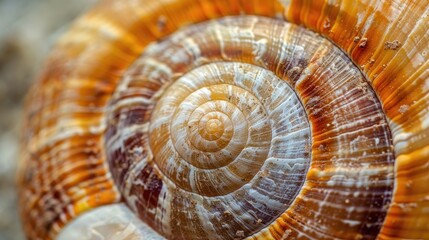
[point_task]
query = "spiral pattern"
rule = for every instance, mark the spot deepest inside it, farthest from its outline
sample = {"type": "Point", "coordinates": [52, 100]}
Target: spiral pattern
{"type": "Point", "coordinates": [214, 119]}
{"type": "Point", "coordinates": [166, 125]}
{"type": "Point", "coordinates": [227, 136]}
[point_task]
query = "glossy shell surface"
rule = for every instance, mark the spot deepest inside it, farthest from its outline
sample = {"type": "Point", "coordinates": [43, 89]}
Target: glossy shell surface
{"type": "Point", "coordinates": [286, 119]}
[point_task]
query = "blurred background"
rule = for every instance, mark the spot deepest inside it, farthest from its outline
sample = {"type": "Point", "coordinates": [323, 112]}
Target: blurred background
{"type": "Point", "coordinates": [28, 29]}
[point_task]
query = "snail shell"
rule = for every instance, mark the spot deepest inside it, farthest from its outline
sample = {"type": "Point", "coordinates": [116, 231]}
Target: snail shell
{"type": "Point", "coordinates": [165, 119]}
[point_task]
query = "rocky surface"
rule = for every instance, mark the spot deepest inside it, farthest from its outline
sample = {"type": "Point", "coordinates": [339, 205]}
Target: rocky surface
{"type": "Point", "coordinates": [28, 29]}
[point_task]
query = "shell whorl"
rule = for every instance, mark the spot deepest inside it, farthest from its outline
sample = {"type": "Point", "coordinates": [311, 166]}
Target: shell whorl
{"type": "Point", "coordinates": [238, 183]}
{"type": "Point", "coordinates": [243, 126]}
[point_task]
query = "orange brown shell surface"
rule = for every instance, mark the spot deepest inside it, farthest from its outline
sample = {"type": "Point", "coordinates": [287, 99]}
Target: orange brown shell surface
{"type": "Point", "coordinates": [202, 119]}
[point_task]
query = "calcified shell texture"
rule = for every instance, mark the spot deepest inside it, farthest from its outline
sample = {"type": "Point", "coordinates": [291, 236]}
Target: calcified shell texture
{"type": "Point", "coordinates": [261, 119]}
